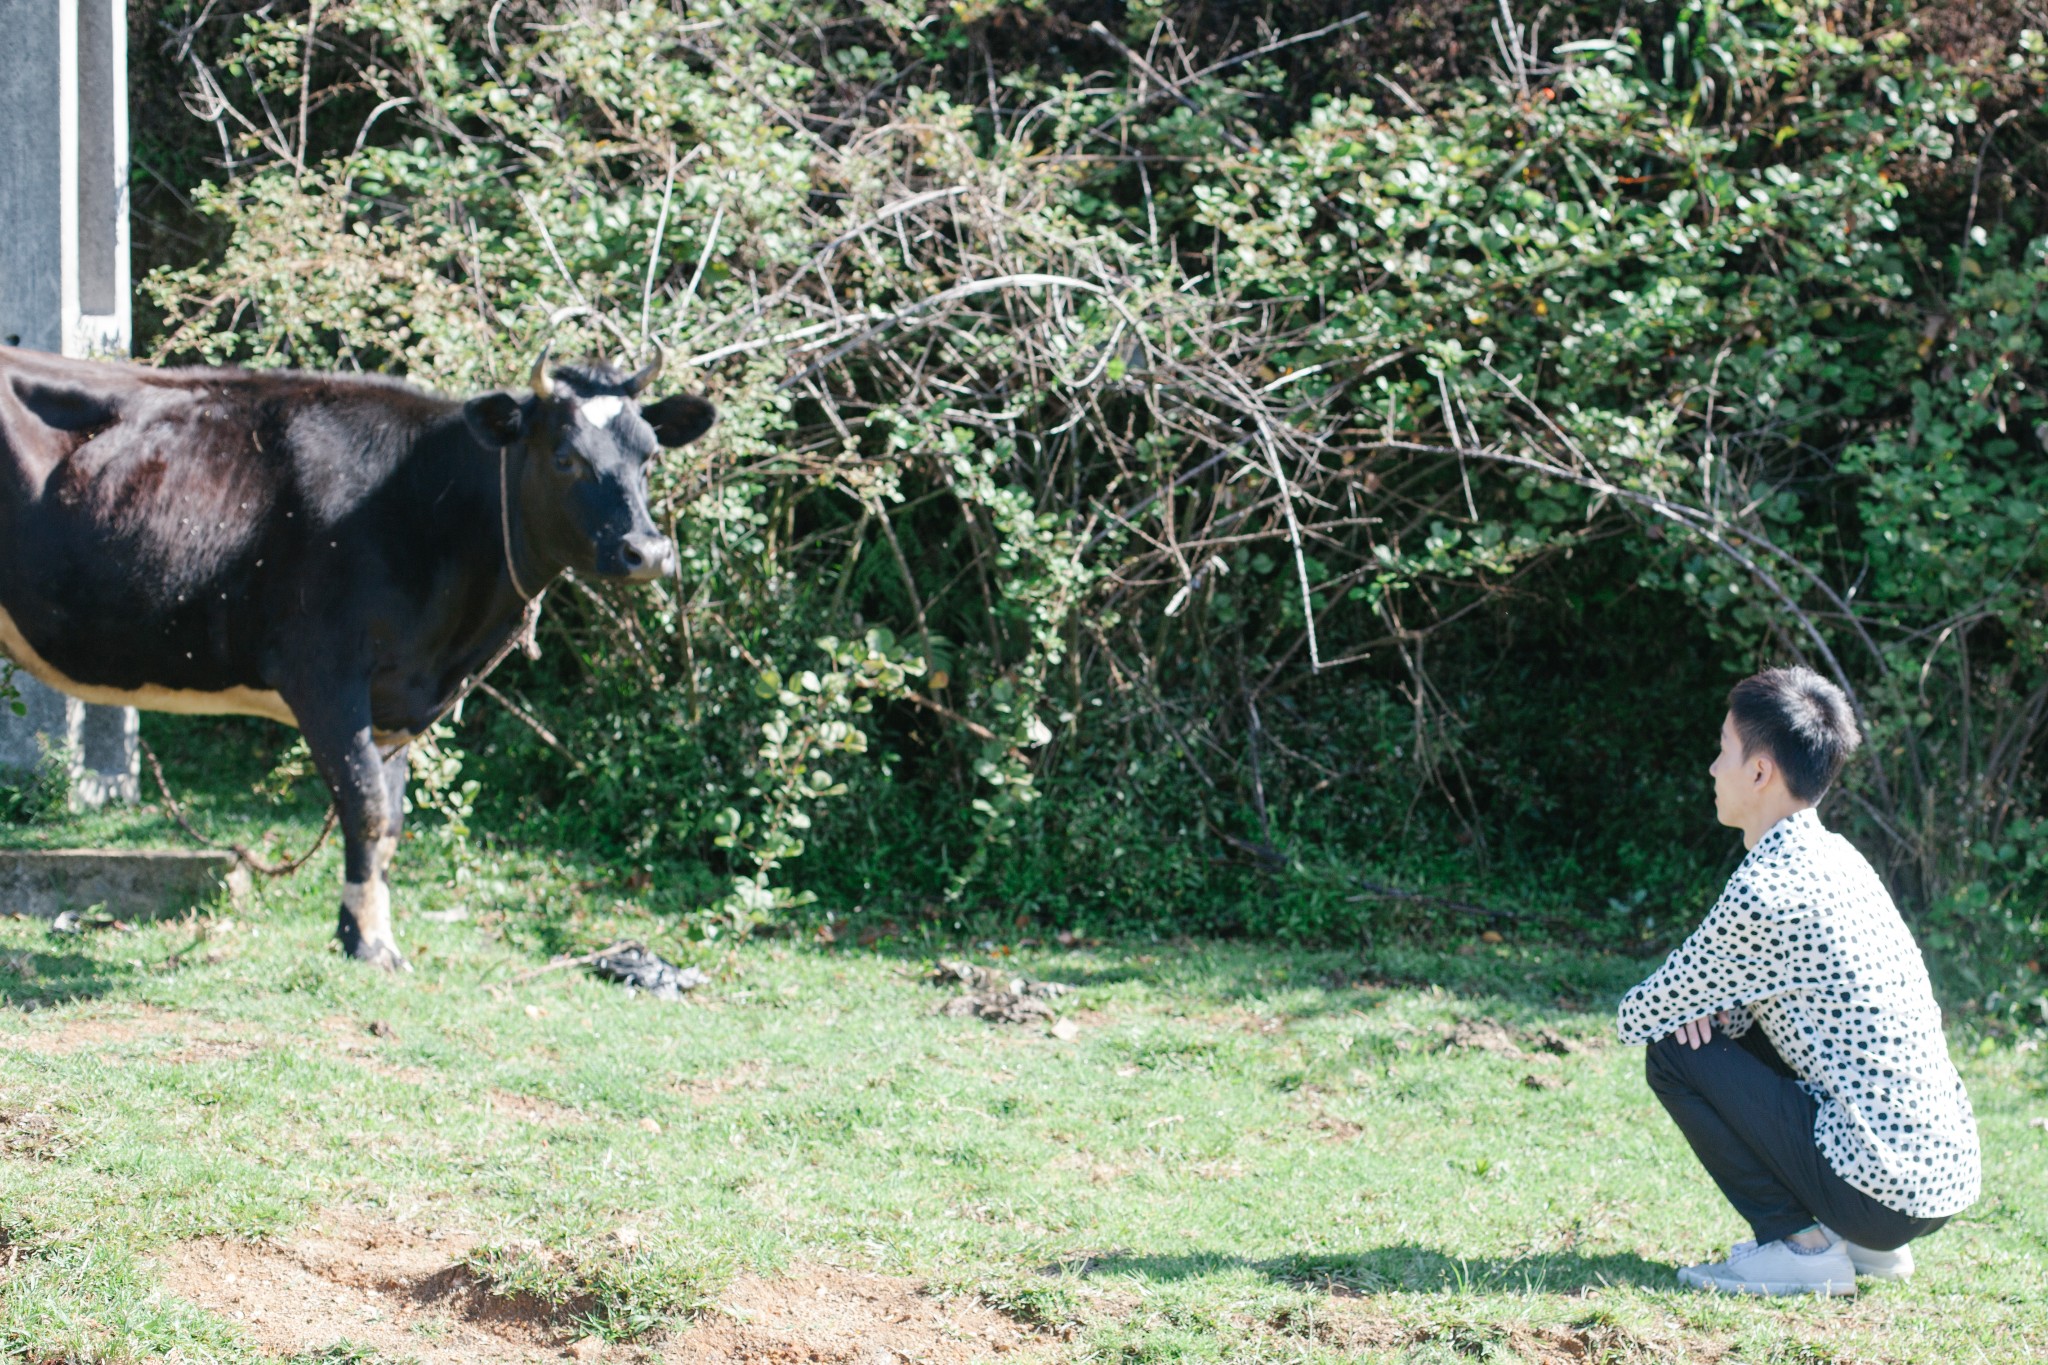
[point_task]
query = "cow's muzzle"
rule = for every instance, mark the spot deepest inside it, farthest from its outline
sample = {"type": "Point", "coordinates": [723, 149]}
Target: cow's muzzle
{"type": "Point", "coordinates": [646, 557]}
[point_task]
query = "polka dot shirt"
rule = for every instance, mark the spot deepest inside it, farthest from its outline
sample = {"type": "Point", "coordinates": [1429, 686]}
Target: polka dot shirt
{"type": "Point", "coordinates": [1806, 944]}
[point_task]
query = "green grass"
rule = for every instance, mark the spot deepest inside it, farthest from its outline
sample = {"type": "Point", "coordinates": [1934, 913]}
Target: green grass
{"type": "Point", "coordinates": [1247, 1154]}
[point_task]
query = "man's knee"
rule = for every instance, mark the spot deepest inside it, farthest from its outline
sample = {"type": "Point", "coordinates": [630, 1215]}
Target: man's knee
{"type": "Point", "coordinates": [1667, 1063]}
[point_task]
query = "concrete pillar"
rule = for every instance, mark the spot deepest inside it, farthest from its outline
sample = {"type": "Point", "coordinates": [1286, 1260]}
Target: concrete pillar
{"type": "Point", "coordinates": [64, 287]}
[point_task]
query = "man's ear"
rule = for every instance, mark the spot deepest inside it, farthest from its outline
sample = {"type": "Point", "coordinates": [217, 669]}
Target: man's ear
{"type": "Point", "coordinates": [679, 419]}
{"type": "Point", "coordinates": [498, 419]}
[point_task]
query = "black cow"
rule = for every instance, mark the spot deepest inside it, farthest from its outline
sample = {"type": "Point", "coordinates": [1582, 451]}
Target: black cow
{"type": "Point", "coordinates": [333, 552]}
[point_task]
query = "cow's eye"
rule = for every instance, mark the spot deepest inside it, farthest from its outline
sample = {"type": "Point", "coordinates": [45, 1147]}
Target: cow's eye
{"type": "Point", "coordinates": [568, 462]}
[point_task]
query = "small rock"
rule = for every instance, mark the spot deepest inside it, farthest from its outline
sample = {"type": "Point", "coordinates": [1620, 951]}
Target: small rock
{"type": "Point", "coordinates": [627, 1237]}
{"type": "Point", "coordinates": [1066, 1030]}
{"type": "Point", "coordinates": [1535, 1081]}
{"type": "Point", "coordinates": [380, 1029]}
{"type": "Point", "coordinates": [652, 1125]}
{"type": "Point", "coordinates": [587, 1348]}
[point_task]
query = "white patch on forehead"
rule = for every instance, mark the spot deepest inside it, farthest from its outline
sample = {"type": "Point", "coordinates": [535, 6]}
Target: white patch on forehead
{"type": "Point", "coordinates": [600, 411]}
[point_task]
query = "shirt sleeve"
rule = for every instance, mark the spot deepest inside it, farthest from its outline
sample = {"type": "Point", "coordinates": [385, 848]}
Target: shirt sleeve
{"type": "Point", "coordinates": [1741, 952]}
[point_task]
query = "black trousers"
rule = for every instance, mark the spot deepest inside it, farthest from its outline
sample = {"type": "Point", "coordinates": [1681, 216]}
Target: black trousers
{"type": "Point", "coordinates": [1751, 1126]}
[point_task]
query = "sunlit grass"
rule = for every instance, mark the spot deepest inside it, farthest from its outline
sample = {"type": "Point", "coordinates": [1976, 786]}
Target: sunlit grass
{"type": "Point", "coordinates": [1245, 1154]}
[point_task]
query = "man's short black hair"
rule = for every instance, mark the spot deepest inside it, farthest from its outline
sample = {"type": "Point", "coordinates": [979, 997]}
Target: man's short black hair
{"type": "Point", "coordinates": [1801, 720]}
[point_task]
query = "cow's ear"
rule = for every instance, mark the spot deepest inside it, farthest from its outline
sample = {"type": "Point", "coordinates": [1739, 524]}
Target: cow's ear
{"type": "Point", "coordinates": [498, 419]}
{"type": "Point", "coordinates": [679, 419]}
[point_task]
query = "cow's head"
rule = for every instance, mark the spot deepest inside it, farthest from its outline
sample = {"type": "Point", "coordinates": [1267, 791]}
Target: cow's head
{"type": "Point", "coordinates": [582, 495]}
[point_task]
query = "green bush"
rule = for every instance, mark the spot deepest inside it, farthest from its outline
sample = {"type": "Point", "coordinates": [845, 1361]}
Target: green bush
{"type": "Point", "coordinates": [38, 794]}
{"type": "Point", "coordinates": [1311, 485]}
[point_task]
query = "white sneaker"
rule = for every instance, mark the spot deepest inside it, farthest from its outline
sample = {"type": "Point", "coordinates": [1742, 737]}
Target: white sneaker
{"type": "Point", "coordinates": [1775, 1268]}
{"type": "Point", "coordinates": [1878, 1265]}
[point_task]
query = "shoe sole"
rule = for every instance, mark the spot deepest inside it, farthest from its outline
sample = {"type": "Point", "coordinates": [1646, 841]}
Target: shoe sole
{"type": "Point", "coordinates": [1765, 1288]}
{"type": "Point", "coordinates": [1894, 1276]}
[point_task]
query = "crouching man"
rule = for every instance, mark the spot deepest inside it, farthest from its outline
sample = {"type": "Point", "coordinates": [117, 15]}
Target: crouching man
{"type": "Point", "coordinates": [1794, 1038]}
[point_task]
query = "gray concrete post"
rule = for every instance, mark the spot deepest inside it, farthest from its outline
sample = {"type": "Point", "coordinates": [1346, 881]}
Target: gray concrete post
{"type": "Point", "coordinates": [64, 287]}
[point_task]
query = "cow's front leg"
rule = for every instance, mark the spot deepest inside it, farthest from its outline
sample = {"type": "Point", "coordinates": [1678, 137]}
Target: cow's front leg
{"type": "Point", "coordinates": [371, 804]}
{"type": "Point", "coordinates": [396, 770]}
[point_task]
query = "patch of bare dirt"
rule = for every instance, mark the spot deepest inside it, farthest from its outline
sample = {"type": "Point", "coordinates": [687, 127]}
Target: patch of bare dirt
{"type": "Point", "coordinates": [820, 1315]}
{"type": "Point", "coordinates": [1490, 1035]}
{"type": "Point", "coordinates": [84, 1033]}
{"type": "Point", "coordinates": [1335, 1129]}
{"type": "Point", "coordinates": [357, 1041]}
{"type": "Point", "coordinates": [1597, 1341]}
{"type": "Point", "coordinates": [403, 1291]}
{"type": "Point", "coordinates": [534, 1110]}
{"type": "Point", "coordinates": [35, 1136]}
{"type": "Point", "coordinates": [1238, 1019]}
{"type": "Point", "coordinates": [748, 1075]}
{"type": "Point", "coordinates": [1351, 1322]}
{"type": "Point", "coordinates": [212, 1050]}
{"type": "Point", "coordinates": [203, 1040]}
{"type": "Point", "coordinates": [352, 1278]}
{"type": "Point", "coordinates": [1099, 1172]}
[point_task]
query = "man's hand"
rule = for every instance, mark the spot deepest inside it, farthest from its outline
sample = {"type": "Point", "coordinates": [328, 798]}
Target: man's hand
{"type": "Point", "coordinates": [1695, 1034]}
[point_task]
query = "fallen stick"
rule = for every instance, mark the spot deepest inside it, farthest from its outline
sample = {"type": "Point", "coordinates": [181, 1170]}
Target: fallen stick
{"type": "Point", "coordinates": [556, 964]}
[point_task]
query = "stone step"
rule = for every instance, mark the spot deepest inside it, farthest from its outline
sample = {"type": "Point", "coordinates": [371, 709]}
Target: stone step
{"type": "Point", "coordinates": [129, 884]}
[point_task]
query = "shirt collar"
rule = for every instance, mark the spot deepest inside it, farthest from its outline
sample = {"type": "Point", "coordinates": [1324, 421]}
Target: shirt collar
{"type": "Point", "coordinates": [1799, 821]}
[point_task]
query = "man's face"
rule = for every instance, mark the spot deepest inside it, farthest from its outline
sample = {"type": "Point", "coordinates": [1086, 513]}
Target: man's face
{"type": "Point", "coordinates": [1736, 779]}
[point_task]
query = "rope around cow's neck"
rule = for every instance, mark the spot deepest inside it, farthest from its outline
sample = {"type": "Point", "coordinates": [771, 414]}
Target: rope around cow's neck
{"type": "Point", "coordinates": [526, 639]}
{"type": "Point", "coordinates": [505, 527]}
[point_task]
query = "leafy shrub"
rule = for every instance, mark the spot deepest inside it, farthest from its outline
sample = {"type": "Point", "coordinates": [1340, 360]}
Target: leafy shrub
{"type": "Point", "coordinates": [1276, 465]}
{"type": "Point", "coordinates": [36, 794]}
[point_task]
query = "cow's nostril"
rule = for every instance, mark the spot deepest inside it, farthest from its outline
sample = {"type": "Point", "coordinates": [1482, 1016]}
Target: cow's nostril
{"type": "Point", "coordinates": [643, 557]}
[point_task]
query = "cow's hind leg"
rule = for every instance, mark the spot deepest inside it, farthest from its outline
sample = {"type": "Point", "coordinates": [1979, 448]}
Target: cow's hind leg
{"type": "Point", "coordinates": [349, 759]}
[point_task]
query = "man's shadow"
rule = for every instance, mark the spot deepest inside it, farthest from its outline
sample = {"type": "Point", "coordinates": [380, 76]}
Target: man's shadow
{"type": "Point", "coordinates": [1403, 1268]}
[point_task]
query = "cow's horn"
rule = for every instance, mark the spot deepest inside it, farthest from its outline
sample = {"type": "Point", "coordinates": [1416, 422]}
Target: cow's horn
{"type": "Point", "coordinates": [648, 373]}
{"type": "Point", "coordinates": [543, 387]}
